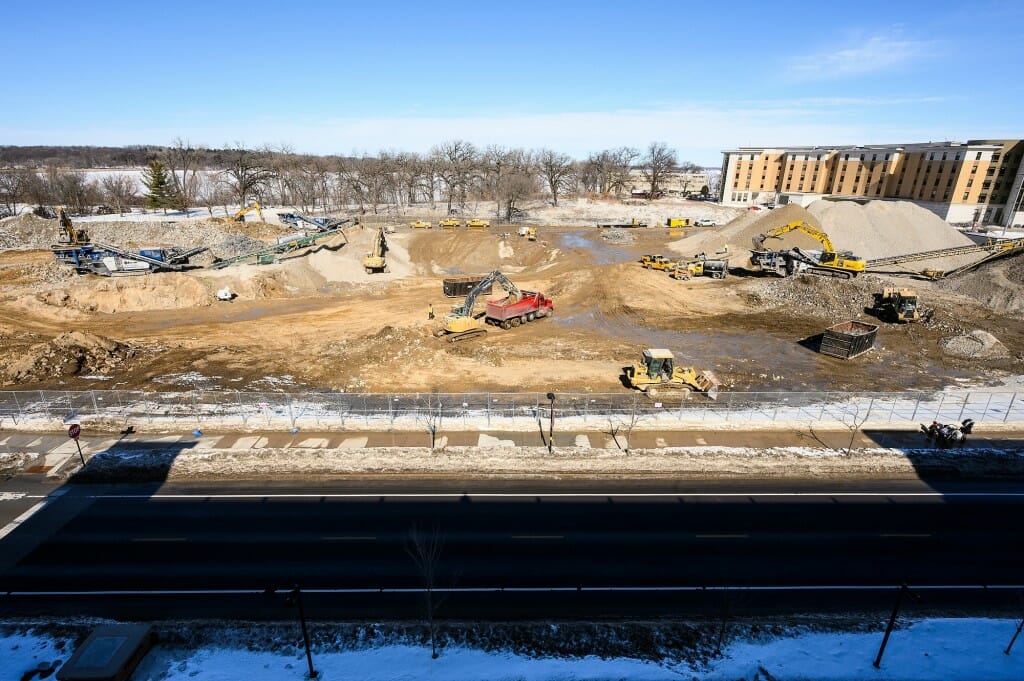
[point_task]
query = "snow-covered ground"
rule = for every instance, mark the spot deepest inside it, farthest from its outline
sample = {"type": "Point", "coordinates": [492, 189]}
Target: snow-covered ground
{"type": "Point", "coordinates": [919, 650]}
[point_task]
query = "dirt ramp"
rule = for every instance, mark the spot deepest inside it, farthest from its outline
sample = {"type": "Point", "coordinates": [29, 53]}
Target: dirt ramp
{"type": "Point", "coordinates": [471, 253]}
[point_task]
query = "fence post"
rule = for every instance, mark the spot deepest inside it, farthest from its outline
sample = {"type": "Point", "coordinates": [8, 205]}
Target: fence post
{"type": "Point", "coordinates": [488, 410]}
{"type": "Point", "coordinates": [963, 407]}
{"type": "Point", "coordinates": [938, 410]}
{"type": "Point", "coordinates": [1009, 407]}
{"type": "Point", "coordinates": [917, 405]}
{"type": "Point", "coordinates": [95, 407]}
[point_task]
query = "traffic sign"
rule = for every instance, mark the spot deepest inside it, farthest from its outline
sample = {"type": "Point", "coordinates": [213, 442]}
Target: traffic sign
{"type": "Point", "coordinates": [74, 431]}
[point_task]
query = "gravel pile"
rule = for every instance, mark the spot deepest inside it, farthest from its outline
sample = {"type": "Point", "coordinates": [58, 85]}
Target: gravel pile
{"type": "Point", "coordinates": [816, 296]}
{"type": "Point", "coordinates": [29, 231]}
{"type": "Point", "coordinates": [618, 236]}
{"type": "Point", "coordinates": [977, 344]}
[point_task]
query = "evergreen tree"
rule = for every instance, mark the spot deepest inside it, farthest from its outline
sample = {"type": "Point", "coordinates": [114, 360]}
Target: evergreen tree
{"type": "Point", "coordinates": [161, 193]}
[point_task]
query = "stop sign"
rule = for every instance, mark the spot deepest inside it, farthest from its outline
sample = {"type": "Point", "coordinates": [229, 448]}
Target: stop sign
{"type": "Point", "coordinates": [74, 431]}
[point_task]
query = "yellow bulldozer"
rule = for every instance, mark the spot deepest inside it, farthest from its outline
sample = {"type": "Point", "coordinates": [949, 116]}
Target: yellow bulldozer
{"type": "Point", "coordinates": [657, 371]}
{"type": "Point", "coordinates": [897, 305]}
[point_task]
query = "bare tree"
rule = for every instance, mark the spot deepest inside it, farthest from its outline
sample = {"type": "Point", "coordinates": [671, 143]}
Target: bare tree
{"type": "Point", "coordinates": [607, 172]}
{"type": "Point", "coordinates": [182, 159]}
{"type": "Point", "coordinates": [456, 162]}
{"type": "Point", "coordinates": [556, 171]}
{"type": "Point", "coordinates": [246, 174]}
{"type": "Point", "coordinates": [657, 163]}
{"type": "Point", "coordinates": [425, 550]}
{"type": "Point", "coordinates": [854, 422]}
{"type": "Point", "coordinates": [120, 191]}
{"type": "Point", "coordinates": [14, 184]}
{"type": "Point", "coordinates": [73, 189]}
{"type": "Point", "coordinates": [431, 417]}
{"type": "Point", "coordinates": [626, 422]}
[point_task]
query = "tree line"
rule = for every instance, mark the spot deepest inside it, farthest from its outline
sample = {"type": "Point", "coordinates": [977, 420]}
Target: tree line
{"type": "Point", "coordinates": [451, 175]}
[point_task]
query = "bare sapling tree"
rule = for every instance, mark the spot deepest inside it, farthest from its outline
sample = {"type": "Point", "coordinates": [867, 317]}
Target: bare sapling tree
{"type": "Point", "coordinates": [658, 162]}
{"type": "Point", "coordinates": [425, 550]}
{"type": "Point", "coordinates": [556, 171]}
{"type": "Point", "coordinates": [119, 191]}
{"type": "Point", "coordinates": [13, 189]}
{"type": "Point", "coordinates": [853, 421]}
{"type": "Point", "coordinates": [432, 416]}
{"type": "Point", "coordinates": [625, 423]}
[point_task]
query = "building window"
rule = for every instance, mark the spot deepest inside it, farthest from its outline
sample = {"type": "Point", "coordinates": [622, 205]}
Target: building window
{"type": "Point", "coordinates": [945, 196]}
{"type": "Point", "coordinates": [862, 157]}
{"type": "Point", "coordinates": [751, 157]}
{"type": "Point", "coordinates": [856, 180]}
{"type": "Point", "coordinates": [842, 178]}
{"type": "Point", "coordinates": [787, 186]}
{"type": "Point", "coordinates": [995, 157]}
{"type": "Point", "coordinates": [970, 183]}
{"type": "Point", "coordinates": [957, 157]}
{"type": "Point", "coordinates": [965, 196]}
{"type": "Point", "coordinates": [887, 157]}
{"type": "Point", "coordinates": [983, 198]}
{"type": "Point", "coordinates": [874, 157]}
{"type": "Point", "coordinates": [978, 157]}
{"type": "Point", "coordinates": [814, 178]}
{"type": "Point", "coordinates": [990, 172]}
{"type": "Point", "coordinates": [943, 156]}
{"type": "Point", "coordinates": [846, 157]}
{"type": "Point", "coordinates": [986, 184]}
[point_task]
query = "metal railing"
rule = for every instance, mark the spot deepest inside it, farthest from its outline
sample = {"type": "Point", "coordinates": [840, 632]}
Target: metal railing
{"type": "Point", "coordinates": [330, 411]}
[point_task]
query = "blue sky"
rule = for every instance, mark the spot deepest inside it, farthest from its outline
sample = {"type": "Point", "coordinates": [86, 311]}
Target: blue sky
{"type": "Point", "coordinates": [324, 77]}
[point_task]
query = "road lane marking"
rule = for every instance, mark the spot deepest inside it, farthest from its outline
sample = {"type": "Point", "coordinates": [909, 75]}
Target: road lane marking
{"type": "Point", "coordinates": [158, 539]}
{"type": "Point", "coordinates": [20, 520]}
{"type": "Point", "coordinates": [723, 536]}
{"type": "Point", "coordinates": [904, 535]}
{"type": "Point", "coordinates": [349, 538]}
{"type": "Point", "coordinates": [537, 536]}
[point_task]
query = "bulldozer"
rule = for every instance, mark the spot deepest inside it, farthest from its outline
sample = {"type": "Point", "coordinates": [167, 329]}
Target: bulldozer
{"type": "Point", "coordinates": [716, 269]}
{"type": "Point", "coordinates": [374, 260]}
{"type": "Point", "coordinates": [897, 305]}
{"type": "Point", "coordinates": [657, 371]}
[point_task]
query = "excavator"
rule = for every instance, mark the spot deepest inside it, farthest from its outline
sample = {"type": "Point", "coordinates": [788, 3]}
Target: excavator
{"type": "Point", "coordinates": [240, 215]}
{"type": "Point", "coordinates": [828, 262]}
{"type": "Point", "coordinates": [68, 233]}
{"type": "Point", "coordinates": [517, 308]}
{"type": "Point", "coordinates": [657, 371]}
{"type": "Point", "coordinates": [374, 260]}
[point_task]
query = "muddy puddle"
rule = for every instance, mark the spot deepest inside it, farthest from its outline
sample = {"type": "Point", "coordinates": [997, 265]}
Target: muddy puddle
{"type": "Point", "coordinates": [760, 361]}
{"type": "Point", "coordinates": [602, 252]}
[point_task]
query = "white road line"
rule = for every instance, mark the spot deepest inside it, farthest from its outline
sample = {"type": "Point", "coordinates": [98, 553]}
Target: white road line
{"type": "Point", "coordinates": [20, 520]}
{"type": "Point", "coordinates": [553, 495]}
{"type": "Point", "coordinates": [529, 589]}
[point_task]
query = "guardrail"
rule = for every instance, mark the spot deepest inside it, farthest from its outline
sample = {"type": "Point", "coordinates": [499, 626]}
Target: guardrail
{"type": "Point", "coordinates": [493, 410]}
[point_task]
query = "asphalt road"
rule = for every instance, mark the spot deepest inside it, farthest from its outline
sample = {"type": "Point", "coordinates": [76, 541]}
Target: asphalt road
{"type": "Point", "coordinates": [514, 549]}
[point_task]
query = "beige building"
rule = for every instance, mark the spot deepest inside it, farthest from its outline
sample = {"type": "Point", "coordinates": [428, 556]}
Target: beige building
{"type": "Point", "coordinates": [673, 184]}
{"type": "Point", "coordinates": [979, 181]}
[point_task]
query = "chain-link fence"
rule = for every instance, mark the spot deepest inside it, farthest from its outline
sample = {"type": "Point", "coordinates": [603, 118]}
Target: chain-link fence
{"type": "Point", "coordinates": [479, 410]}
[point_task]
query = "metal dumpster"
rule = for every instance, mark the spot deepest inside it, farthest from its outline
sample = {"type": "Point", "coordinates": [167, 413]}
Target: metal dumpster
{"type": "Point", "coordinates": [457, 287]}
{"type": "Point", "coordinates": [848, 339]}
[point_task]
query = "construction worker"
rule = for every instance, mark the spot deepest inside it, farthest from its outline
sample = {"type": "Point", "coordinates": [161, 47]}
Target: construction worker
{"type": "Point", "coordinates": [430, 311]}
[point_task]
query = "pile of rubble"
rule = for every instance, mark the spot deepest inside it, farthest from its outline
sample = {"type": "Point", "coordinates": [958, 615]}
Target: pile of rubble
{"type": "Point", "coordinates": [70, 354]}
{"type": "Point", "coordinates": [618, 236]}
{"type": "Point", "coordinates": [816, 296]}
{"type": "Point", "coordinates": [977, 344]}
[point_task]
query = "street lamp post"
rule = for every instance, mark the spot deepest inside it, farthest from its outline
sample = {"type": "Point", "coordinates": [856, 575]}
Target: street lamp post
{"type": "Point", "coordinates": [295, 598]}
{"type": "Point", "coordinates": [551, 424]}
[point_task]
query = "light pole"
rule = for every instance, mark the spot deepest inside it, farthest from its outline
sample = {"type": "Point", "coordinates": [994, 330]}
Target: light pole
{"type": "Point", "coordinates": [551, 424]}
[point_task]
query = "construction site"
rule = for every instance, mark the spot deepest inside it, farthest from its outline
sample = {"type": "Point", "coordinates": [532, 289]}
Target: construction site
{"type": "Point", "coordinates": [569, 300]}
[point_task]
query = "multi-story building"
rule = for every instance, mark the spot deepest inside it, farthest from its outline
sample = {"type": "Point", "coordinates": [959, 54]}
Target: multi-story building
{"type": "Point", "coordinates": [978, 181]}
{"type": "Point", "coordinates": [674, 183]}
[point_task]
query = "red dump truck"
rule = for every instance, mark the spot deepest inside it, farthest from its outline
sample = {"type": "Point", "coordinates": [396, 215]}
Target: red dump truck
{"type": "Point", "coordinates": [531, 305]}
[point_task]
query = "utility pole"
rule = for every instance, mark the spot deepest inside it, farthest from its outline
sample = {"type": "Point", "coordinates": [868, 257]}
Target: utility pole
{"type": "Point", "coordinates": [295, 598]}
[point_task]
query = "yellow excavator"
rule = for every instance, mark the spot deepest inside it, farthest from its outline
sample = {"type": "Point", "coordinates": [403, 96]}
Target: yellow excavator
{"type": "Point", "coordinates": [374, 260]}
{"type": "Point", "coordinates": [827, 262]}
{"type": "Point", "coordinates": [240, 215]}
{"type": "Point", "coordinates": [69, 234]}
{"type": "Point", "coordinates": [657, 371]}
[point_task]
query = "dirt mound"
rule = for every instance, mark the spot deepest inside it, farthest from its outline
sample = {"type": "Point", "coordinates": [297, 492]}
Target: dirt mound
{"type": "Point", "coordinates": [997, 286]}
{"type": "Point", "coordinates": [69, 354]}
{"type": "Point", "coordinates": [977, 344]}
{"type": "Point", "coordinates": [816, 296]}
{"type": "Point", "coordinates": [164, 291]}
{"type": "Point", "coordinates": [469, 253]}
{"type": "Point", "coordinates": [874, 229]}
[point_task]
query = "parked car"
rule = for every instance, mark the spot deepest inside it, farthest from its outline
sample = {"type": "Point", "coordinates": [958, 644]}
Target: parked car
{"type": "Point", "coordinates": [706, 222]}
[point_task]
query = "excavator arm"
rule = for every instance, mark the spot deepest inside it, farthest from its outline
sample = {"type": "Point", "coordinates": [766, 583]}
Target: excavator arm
{"type": "Point", "coordinates": [800, 226]}
{"type": "Point", "coordinates": [75, 237]}
{"type": "Point", "coordinates": [494, 277]}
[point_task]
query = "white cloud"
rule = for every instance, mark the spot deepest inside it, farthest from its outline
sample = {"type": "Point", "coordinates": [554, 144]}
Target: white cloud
{"type": "Point", "coordinates": [873, 54]}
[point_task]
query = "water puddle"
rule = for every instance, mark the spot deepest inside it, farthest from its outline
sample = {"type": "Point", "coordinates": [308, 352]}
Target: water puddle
{"type": "Point", "coordinates": [603, 252]}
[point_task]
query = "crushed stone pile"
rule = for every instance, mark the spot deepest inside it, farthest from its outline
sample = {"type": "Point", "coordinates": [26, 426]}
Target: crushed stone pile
{"type": "Point", "coordinates": [223, 239]}
{"type": "Point", "coordinates": [998, 286]}
{"type": "Point", "coordinates": [977, 344]}
{"type": "Point", "coordinates": [618, 236]}
{"type": "Point", "coordinates": [816, 296]}
{"type": "Point", "coordinates": [874, 229]}
{"type": "Point", "coordinates": [70, 354]}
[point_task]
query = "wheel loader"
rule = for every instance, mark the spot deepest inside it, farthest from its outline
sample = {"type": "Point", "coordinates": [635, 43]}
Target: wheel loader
{"type": "Point", "coordinates": [657, 371]}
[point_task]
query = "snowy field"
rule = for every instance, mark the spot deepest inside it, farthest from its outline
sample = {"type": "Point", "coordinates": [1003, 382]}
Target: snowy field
{"type": "Point", "coordinates": [919, 650]}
